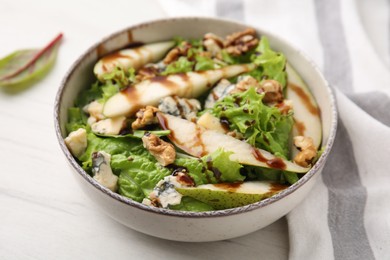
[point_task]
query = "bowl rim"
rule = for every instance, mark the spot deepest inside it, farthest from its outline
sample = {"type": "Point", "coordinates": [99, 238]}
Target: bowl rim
{"type": "Point", "coordinates": [189, 214]}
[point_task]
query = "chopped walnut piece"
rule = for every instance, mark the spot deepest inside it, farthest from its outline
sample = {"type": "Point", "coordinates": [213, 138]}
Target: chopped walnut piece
{"type": "Point", "coordinates": [172, 56]}
{"type": "Point", "coordinates": [241, 42]}
{"type": "Point", "coordinates": [245, 83]}
{"type": "Point", "coordinates": [307, 150]}
{"type": "Point", "coordinates": [213, 44]}
{"type": "Point", "coordinates": [164, 152]}
{"type": "Point", "coordinates": [273, 91]}
{"type": "Point", "coordinates": [147, 72]}
{"type": "Point", "coordinates": [145, 116]}
{"type": "Point", "coordinates": [176, 52]}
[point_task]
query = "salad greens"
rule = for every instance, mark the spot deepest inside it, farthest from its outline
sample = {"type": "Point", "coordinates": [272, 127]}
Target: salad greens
{"type": "Point", "coordinates": [138, 175]}
{"type": "Point", "coordinates": [23, 67]}
{"type": "Point", "coordinates": [212, 168]}
{"type": "Point", "coordinates": [262, 126]}
{"type": "Point", "coordinates": [271, 64]}
{"type": "Point", "coordinates": [138, 149]}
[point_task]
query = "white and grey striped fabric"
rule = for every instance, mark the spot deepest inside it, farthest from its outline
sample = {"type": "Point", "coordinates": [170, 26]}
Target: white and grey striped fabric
{"type": "Point", "coordinates": [347, 215]}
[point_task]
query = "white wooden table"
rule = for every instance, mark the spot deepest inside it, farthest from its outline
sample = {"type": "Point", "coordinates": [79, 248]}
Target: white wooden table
{"type": "Point", "coordinates": [43, 212]}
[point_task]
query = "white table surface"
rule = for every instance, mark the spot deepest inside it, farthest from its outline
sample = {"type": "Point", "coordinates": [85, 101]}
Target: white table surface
{"type": "Point", "coordinates": [43, 212]}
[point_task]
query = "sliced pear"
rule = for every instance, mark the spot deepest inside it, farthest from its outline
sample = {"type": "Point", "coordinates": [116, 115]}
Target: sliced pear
{"type": "Point", "coordinates": [231, 195]}
{"type": "Point", "coordinates": [211, 122]}
{"type": "Point", "coordinates": [198, 141]}
{"type": "Point", "coordinates": [132, 58]}
{"type": "Point", "coordinates": [149, 92]}
{"type": "Point", "coordinates": [306, 111]}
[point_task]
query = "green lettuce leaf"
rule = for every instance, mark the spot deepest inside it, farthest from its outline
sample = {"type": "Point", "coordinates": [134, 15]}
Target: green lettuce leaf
{"type": "Point", "coordinates": [213, 168]}
{"type": "Point", "coordinates": [89, 95]}
{"type": "Point", "coordinates": [230, 59]}
{"type": "Point", "coordinates": [262, 126]}
{"type": "Point", "coordinates": [195, 43]}
{"type": "Point", "coordinates": [191, 204]}
{"type": "Point", "coordinates": [76, 119]}
{"type": "Point", "coordinates": [108, 90]}
{"type": "Point", "coordinates": [120, 77]}
{"type": "Point", "coordinates": [98, 91]}
{"type": "Point", "coordinates": [138, 134]}
{"type": "Point", "coordinates": [182, 65]}
{"type": "Point", "coordinates": [291, 177]}
{"type": "Point", "coordinates": [229, 170]}
{"type": "Point", "coordinates": [197, 170]}
{"type": "Point", "coordinates": [113, 146]}
{"type": "Point", "coordinates": [259, 173]}
{"type": "Point", "coordinates": [270, 64]}
{"type": "Point", "coordinates": [204, 63]}
{"type": "Point", "coordinates": [137, 169]}
{"type": "Point", "coordinates": [114, 81]}
{"type": "Point", "coordinates": [137, 175]}
{"type": "Point", "coordinates": [193, 61]}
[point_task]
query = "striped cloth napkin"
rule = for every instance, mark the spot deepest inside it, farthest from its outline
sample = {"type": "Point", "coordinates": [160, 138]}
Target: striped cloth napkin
{"type": "Point", "coordinates": [347, 214]}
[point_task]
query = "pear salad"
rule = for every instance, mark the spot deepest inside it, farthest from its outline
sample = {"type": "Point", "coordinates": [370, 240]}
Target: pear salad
{"type": "Point", "coordinates": [196, 125]}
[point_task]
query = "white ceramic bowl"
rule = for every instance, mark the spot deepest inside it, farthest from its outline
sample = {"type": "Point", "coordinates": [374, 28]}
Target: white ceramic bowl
{"type": "Point", "coordinates": [192, 226]}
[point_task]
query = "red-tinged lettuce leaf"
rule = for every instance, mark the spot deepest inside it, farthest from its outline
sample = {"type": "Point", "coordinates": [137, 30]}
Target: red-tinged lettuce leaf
{"type": "Point", "coordinates": [24, 67]}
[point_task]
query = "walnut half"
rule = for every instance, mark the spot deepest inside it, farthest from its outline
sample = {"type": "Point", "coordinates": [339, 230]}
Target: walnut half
{"type": "Point", "coordinates": [307, 150]}
{"type": "Point", "coordinates": [164, 152]}
{"type": "Point", "coordinates": [175, 53]}
{"type": "Point", "coordinates": [245, 83]}
{"type": "Point", "coordinates": [241, 42]}
{"type": "Point", "coordinates": [147, 72]}
{"type": "Point", "coordinates": [273, 91]}
{"type": "Point", "coordinates": [145, 116]}
{"type": "Point", "coordinates": [213, 44]}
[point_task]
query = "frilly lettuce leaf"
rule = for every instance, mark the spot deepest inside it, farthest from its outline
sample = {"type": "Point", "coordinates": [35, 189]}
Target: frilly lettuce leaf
{"type": "Point", "coordinates": [120, 77]}
{"type": "Point", "coordinates": [182, 65]}
{"type": "Point", "coordinates": [194, 60]}
{"type": "Point", "coordinates": [204, 63]}
{"type": "Point", "coordinates": [230, 59]}
{"type": "Point", "coordinates": [89, 95]}
{"type": "Point", "coordinates": [262, 126]}
{"type": "Point", "coordinates": [114, 81]}
{"type": "Point", "coordinates": [270, 64]}
{"type": "Point", "coordinates": [230, 170]}
{"type": "Point", "coordinates": [197, 170]}
{"type": "Point", "coordinates": [213, 168]}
